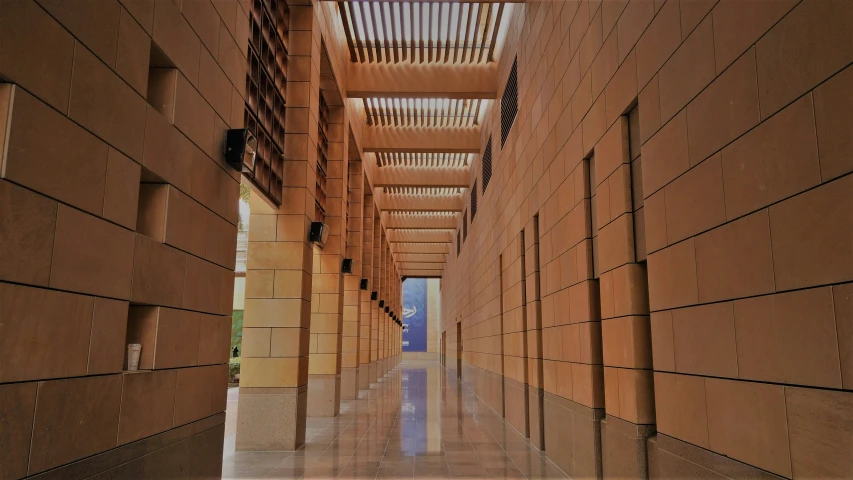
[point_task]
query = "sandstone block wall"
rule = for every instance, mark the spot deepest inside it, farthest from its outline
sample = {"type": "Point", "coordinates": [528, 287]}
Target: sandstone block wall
{"type": "Point", "coordinates": [682, 171]}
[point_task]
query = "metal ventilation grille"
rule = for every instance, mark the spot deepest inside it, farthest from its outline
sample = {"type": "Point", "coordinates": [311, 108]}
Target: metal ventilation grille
{"type": "Point", "coordinates": [422, 191]}
{"type": "Point", "coordinates": [320, 191]}
{"type": "Point", "coordinates": [423, 112]}
{"type": "Point", "coordinates": [474, 201]}
{"type": "Point", "coordinates": [422, 214]}
{"type": "Point", "coordinates": [407, 231]}
{"type": "Point", "coordinates": [509, 102]}
{"type": "Point", "coordinates": [487, 164]}
{"type": "Point", "coordinates": [418, 32]}
{"type": "Point", "coordinates": [415, 159]}
{"type": "Point", "coordinates": [266, 76]}
{"type": "Point", "coordinates": [465, 226]}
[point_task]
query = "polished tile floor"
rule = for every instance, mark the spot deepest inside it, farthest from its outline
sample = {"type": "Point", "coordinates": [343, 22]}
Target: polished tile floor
{"type": "Point", "coordinates": [417, 422]}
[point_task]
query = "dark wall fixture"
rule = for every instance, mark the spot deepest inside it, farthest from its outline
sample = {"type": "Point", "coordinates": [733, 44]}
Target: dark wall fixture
{"type": "Point", "coordinates": [318, 233]}
{"type": "Point", "coordinates": [241, 148]}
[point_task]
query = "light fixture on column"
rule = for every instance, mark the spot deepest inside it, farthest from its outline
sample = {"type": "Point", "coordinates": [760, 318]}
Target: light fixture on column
{"type": "Point", "coordinates": [346, 265]}
{"type": "Point", "coordinates": [240, 149]}
{"type": "Point", "coordinates": [318, 233]}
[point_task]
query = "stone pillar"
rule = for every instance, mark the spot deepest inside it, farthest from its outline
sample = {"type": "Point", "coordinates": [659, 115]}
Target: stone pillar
{"type": "Point", "coordinates": [389, 300]}
{"type": "Point", "coordinates": [367, 274]}
{"type": "Point", "coordinates": [374, 304]}
{"type": "Point", "coordinates": [327, 300]}
{"type": "Point", "coordinates": [274, 370]}
{"type": "Point", "coordinates": [394, 309]}
{"type": "Point", "coordinates": [625, 325]}
{"type": "Point", "coordinates": [398, 311]}
{"type": "Point", "coordinates": [383, 297]}
{"type": "Point", "coordinates": [352, 299]}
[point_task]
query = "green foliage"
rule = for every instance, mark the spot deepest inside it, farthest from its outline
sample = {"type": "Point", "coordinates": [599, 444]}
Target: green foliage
{"type": "Point", "coordinates": [245, 192]}
{"type": "Point", "coordinates": [237, 330]}
{"type": "Point", "coordinates": [233, 369]}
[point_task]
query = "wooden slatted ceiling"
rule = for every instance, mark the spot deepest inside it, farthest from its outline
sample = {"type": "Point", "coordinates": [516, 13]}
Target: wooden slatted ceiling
{"type": "Point", "coordinates": [423, 214]}
{"type": "Point", "coordinates": [405, 231]}
{"type": "Point", "coordinates": [418, 32]}
{"type": "Point", "coordinates": [422, 191]}
{"type": "Point", "coordinates": [424, 160]}
{"type": "Point", "coordinates": [423, 112]}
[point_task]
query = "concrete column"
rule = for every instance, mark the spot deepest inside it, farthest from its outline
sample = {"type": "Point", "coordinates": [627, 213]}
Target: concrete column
{"type": "Point", "coordinates": [274, 370]}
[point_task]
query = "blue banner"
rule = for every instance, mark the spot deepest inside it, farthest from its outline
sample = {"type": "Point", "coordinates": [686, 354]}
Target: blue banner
{"type": "Point", "coordinates": [415, 315]}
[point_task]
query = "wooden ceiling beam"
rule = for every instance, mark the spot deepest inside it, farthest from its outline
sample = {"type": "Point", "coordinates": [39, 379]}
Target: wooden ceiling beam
{"type": "Point", "coordinates": [428, 258]}
{"type": "Point", "coordinates": [420, 236]}
{"type": "Point", "coordinates": [417, 203]}
{"type": "Point", "coordinates": [418, 139]}
{"type": "Point", "coordinates": [418, 220]}
{"type": "Point", "coordinates": [436, 177]}
{"type": "Point", "coordinates": [414, 80]}
{"type": "Point", "coordinates": [420, 248]}
{"type": "Point", "coordinates": [451, 1]}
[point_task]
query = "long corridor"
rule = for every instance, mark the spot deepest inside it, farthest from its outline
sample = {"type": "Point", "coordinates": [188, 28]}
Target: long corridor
{"type": "Point", "coordinates": [417, 422]}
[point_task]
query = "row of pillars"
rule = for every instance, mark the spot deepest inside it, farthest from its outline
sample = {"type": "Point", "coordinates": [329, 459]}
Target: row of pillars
{"type": "Point", "coordinates": [313, 335]}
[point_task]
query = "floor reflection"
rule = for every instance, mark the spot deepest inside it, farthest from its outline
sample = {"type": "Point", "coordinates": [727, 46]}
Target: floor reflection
{"type": "Point", "coordinates": [415, 423]}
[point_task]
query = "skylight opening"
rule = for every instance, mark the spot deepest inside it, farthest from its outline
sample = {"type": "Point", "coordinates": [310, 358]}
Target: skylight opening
{"type": "Point", "coordinates": [419, 32]}
{"type": "Point", "coordinates": [425, 112]}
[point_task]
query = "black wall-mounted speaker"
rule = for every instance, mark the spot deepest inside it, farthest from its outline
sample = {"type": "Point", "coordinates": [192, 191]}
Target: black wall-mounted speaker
{"type": "Point", "coordinates": [374, 295]}
{"type": "Point", "coordinates": [346, 265]}
{"type": "Point", "coordinates": [381, 303]}
{"type": "Point", "coordinates": [387, 309]}
{"type": "Point", "coordinates": [363, 284]}
{"type": "Point", "coordinates": [318, 233]}
{"type": "Point", "coordinates": [240, 149]}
